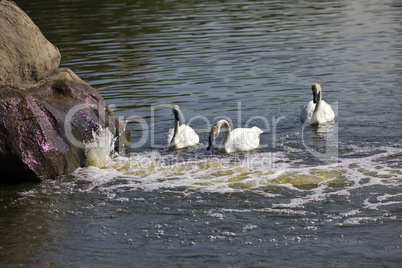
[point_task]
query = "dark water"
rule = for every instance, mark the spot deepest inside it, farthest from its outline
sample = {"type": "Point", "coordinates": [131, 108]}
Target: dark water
{"type": "Point", "coordinates": [308, 197]}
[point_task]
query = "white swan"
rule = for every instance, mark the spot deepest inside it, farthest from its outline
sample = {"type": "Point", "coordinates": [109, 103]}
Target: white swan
{"type": "Point", "coordinates": [180, 136]}
{"type": "Point", "coordinates": [237, 140]}
{"type": "Point", "coordinates": [317, 111]}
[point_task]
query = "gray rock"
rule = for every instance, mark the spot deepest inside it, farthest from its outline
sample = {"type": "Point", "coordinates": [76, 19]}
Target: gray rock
{"type": "Point", "coordinates": [46, 113]}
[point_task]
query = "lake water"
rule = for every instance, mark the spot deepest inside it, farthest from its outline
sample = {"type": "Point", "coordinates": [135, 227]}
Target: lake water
{"type": "Point", "coordinates": [307, 197]}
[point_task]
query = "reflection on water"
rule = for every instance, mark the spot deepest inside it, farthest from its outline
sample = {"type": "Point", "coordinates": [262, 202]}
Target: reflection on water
{"type": "Point", "coordinates": [249, 61]}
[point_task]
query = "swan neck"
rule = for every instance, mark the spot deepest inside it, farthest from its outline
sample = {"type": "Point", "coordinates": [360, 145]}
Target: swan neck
{"type": "Point", "coordinates": [317, 105]}
{"type": "Point", "coordinates": [176, 129]}
{"type": "Point", "coordinates": [227, 131]}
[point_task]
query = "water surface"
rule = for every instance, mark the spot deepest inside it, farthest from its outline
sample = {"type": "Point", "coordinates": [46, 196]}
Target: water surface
{"type": "Point", "coordinates": [308, 197]}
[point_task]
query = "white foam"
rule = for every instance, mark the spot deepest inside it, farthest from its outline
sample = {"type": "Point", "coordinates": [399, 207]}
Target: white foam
{"type": "Point", "coordinates": [150, 171]}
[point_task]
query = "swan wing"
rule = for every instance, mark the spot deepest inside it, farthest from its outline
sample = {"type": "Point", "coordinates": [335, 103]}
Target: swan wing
{"type": "Point", "coordinates": [186, 137]}
{"type": "Point", "coordinates": [328, 113]}
{"type": "Point", "coordinates": [324, 114]}
{"type": "Point", "coordinates": [244, 139]}
{"type": "Point", "coordinates": [307, 112]}
{"type": "Point", "coordinates": [253, 137]}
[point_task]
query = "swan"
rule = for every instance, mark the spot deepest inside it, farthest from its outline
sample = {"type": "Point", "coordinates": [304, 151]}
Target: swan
{"type": "Point", "coordinates": [316, 111]}
{"type": "Point", "coordinates": [180, 136]}
{"type": "Point", "coordinates": [237, 140]}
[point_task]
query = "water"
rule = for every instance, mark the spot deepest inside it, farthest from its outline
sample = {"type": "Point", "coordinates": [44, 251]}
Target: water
{"type": "Point", "coordinates": [308, 197]}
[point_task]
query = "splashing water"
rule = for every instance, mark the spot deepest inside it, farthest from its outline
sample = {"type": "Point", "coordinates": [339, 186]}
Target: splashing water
{"type": "Point", "coordinates": [258, 172]}
{"type": "Point", "coordinates": [99, 150]}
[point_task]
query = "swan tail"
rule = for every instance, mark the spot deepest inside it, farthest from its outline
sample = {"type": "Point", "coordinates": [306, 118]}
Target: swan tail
{"type": "Point", "coordinates": [257, 130]}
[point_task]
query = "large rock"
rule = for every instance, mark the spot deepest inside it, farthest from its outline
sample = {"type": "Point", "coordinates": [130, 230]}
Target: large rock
{"type": "Point", "coordinates": [46, 113]}
{"type": "Point", "coordinates": [26, 56]}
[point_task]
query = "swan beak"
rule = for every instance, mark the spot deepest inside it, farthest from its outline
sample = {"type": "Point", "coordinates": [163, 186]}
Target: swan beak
{"type": "Point", "coordinates": [314, 97]}
{"type": "Point", "coordinates": [210, 142]}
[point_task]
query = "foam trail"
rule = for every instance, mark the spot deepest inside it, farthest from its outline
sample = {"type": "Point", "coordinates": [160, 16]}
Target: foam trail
{"type": "Point", "coordinates": [149, 171]}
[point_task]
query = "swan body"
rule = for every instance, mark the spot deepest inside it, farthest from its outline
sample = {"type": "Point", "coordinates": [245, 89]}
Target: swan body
{"type": "Point", "coordinates": [237, 140]}
{"type": "Point", "coordinates": [317, 111]}
{"type": "Point", "coordinates": [180, 136]}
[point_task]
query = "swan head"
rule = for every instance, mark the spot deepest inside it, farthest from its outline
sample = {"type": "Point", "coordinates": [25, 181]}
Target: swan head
{"type": "Point", "coordinates": [316, 88]}
{"type": "Point", "coordinates": [176, 112]}
{"type": "Point", "coordinates": [212, 135]}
